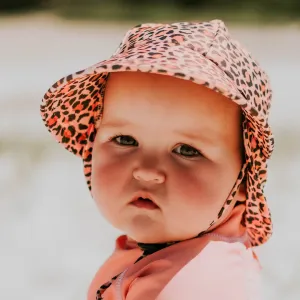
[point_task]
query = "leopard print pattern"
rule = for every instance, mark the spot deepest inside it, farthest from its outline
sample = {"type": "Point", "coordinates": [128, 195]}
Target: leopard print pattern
{"type": "Point", "coordinates": [203, 53]}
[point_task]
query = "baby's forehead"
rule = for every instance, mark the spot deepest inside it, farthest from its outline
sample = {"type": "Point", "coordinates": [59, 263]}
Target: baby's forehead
{"type": "Point", "coordinates": [128, 93]}
{"type": "Point", "coordinates": [164, 89]}
{"type": "Point", "coordinates": [150, 102]}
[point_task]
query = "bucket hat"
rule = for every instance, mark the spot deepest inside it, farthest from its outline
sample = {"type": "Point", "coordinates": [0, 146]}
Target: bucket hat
{"type": "Point", "coordinates": [202, 52]}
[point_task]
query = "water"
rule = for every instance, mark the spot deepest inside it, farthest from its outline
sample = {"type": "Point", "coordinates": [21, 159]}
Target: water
{"type": "Point", "coordinates": [52, 237]}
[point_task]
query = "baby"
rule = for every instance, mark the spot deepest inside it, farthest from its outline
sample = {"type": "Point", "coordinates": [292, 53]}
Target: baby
{"type": "Point", "coordinates": [173, 132]}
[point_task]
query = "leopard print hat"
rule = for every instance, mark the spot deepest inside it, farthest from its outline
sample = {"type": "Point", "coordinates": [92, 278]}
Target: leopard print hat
{"type": "Point", "coordinates": [202, 52]}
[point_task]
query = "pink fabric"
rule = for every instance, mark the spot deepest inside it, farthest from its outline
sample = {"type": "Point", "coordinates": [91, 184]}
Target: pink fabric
{"type": "Point", "coordinates": [222, 270]}
{"type": "Point", "coordinates": [204, 268]}
{"type": "Point", "coordinates": [210, 267]}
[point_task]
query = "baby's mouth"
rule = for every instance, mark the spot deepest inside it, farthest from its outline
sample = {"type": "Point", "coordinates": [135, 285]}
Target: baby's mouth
{"type": "Point", "coordinates": [145, 203]}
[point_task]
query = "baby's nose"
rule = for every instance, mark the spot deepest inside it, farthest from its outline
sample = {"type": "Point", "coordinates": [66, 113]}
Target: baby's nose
{"type": "Point", "coordinates": [149, 175]}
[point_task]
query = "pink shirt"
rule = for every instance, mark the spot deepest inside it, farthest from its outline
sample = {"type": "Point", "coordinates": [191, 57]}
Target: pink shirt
{"type": "Point", "coordinates": [206, 268]}
{"type": "Point", "coordinates": [222, 270]}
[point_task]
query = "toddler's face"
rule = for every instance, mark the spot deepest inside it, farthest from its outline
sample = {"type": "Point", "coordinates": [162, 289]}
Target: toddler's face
{"type": "Point", "coordinates": [179, 141]}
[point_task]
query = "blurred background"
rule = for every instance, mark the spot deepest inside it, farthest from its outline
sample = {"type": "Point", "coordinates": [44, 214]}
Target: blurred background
{"type": "Point", "coordinates": [52, 238]}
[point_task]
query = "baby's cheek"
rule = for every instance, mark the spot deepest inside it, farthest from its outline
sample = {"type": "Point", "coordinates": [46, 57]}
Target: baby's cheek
{"type": "Point", "coordinates": [103, 192]}
{"type": "Point", "coordinates": [104, 180]}
{"type": "Point", "coordinates": [194, 188]}
{"type": "Point", "coordinates": [197, 199]}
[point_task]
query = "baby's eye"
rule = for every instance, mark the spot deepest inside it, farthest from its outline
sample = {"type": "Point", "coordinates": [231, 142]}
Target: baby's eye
{"type": "Point", "coordinates": [187, 151]}
{"type": "Point", "coordinates": [125, 140]}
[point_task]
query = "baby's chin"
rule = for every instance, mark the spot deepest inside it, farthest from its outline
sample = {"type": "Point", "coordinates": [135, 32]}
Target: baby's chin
{"type": "Point", "coordinates": [152, 228]}
{"type": "Point", "coordinates": [150, 239]}
{"type": "Point", "coordinates": [145, 230]}
{"type": "Point", "coordinates": [155, 238]}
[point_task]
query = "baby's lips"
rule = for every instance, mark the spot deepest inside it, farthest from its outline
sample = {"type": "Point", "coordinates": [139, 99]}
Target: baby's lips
{"type": "Point", "coordinates": [144, 203]}
{"type": "Point", "coordinates": [145, 195]}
